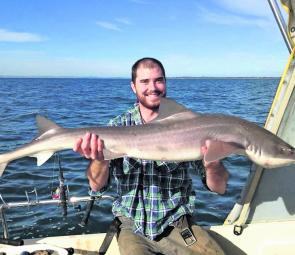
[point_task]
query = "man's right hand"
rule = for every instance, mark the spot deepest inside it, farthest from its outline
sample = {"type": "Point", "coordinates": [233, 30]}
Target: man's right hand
{"type": "Point", "coordinates": [90, 146]}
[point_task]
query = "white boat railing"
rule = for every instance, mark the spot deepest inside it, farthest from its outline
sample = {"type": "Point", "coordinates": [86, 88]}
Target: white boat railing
{"type": "Point", "coordinates": [37, 202]}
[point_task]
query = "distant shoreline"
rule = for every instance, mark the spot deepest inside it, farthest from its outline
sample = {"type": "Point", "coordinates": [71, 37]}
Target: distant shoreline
{"type": "Point", "coordinates": [176, 78]}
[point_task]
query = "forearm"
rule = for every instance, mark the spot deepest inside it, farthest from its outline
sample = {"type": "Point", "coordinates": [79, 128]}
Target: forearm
{"type": "Point", "coordinates": [98, 174]}
{"type": "Point", "coordinates": [216, 177]}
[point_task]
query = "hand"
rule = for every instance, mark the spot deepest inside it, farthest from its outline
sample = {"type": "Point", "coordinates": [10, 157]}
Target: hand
{"type": "Point", "coordinates": [216, 174]}
{"type": "Point", "coordinates": [90, 146]}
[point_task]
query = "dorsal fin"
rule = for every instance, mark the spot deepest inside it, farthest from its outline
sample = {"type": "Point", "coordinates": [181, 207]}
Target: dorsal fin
{"type": "Point", "coordinates": [45, 124]}
{"type": "Point", "coordinates": [169, 109]}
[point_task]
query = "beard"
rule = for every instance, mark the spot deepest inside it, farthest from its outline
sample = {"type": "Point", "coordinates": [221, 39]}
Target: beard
{"type": "Point", "coordinates": [151, 103]}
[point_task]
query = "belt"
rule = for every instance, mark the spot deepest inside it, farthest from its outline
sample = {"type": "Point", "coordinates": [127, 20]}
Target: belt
{"type": "Point", "coordinates": [113, 228]}
{"type": "Point", "coordinates": [182, 224]}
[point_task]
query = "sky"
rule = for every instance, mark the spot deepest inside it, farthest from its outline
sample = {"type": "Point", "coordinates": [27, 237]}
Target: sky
{"type": "Point", "coordinates": [103, 38]}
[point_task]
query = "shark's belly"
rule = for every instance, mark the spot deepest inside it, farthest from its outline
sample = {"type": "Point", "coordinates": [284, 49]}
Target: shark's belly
{"type": "Point", "coordinates": [166, 148]}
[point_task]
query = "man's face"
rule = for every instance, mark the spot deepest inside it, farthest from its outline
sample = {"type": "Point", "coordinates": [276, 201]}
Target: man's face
{"type": "Point", "coordinates": [149, 86]}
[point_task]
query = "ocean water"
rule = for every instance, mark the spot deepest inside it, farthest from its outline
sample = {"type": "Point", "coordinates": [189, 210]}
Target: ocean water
{"type": "Point", "coordinates": [92, 102]}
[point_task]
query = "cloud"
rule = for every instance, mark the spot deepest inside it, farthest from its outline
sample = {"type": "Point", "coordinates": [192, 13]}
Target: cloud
{"type": "Point", "coordinates": [108, 25]}
{"type": "Point", "coordinates": [249, 7]}
{"type": "Point", "coordinates": [229, 18]}
{"type": "Point", "coordinates": [10, 36]}
{"type": "Point", "coordinates": [115, 25]}
{"type": "Point", "coordinates": [124, 21]}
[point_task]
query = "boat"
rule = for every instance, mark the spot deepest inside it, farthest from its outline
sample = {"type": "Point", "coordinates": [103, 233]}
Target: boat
{"type": "Point", "coordinates": [262, 222]}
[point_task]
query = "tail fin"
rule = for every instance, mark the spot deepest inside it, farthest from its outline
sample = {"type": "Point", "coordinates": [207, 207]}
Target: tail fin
{"type": "Point", "coordinates": [2, 167]}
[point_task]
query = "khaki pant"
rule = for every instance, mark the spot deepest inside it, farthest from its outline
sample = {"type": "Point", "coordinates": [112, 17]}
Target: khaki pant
{"type": "Point", "coordinates": [169, 243]}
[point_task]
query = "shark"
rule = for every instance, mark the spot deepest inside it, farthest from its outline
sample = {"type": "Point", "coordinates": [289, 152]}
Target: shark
{"type": "Point", "coordinates": [177, 134]}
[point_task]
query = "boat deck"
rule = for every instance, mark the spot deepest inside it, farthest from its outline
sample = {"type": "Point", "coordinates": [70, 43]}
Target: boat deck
{"type": "Point", "coordinates": [82, 244]}
{"type": "Point", "coordinates": [272, 238]}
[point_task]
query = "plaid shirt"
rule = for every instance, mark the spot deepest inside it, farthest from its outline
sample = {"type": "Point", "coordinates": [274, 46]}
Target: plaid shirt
{"type": "Point", "coordinates": [153, 194]}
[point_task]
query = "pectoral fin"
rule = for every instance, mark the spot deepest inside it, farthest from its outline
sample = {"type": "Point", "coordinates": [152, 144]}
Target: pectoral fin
{"type": "Point", "coordinates": [2, 167]}
{"type": "Point", "coordinates": [42, 157]}
{"type": "Point", "coordinates": [217, 150]}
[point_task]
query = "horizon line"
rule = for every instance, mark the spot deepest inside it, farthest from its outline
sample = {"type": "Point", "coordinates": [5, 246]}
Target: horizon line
{"type": "Point", "coordinates": [122, 77]}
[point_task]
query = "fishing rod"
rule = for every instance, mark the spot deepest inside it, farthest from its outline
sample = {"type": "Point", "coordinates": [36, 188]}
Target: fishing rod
{"type": "Point", "coordinates": [62, 193]}
{"type": "Point", "coordinates": [62, 188]}
{"type": "Point", "coordinates": [281, 23]}
{"type": "Point", "coordinates": [59, 197]}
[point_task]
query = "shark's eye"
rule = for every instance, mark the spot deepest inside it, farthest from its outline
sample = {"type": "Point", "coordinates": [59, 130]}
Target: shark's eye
{"type": "Point", "coordinates": [287, 150]}
{"type": "Point", "coordinates": [283, 149]}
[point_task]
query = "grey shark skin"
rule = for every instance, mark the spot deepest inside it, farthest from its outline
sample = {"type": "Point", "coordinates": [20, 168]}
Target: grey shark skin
{"type": "Point", "coordinates": [176, 135]}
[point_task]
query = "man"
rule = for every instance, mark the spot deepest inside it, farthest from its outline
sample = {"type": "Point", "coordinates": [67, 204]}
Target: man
{"type": "Point", "coordinates": [155, 198]}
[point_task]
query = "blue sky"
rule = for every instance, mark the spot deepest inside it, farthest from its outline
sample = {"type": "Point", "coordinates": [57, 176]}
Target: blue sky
{"type": "Point", "coordinates": [103, 38]}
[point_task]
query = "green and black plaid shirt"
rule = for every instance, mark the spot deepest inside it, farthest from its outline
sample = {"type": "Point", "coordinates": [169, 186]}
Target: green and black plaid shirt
{"type": "Point", "coordinates": [153, 194]}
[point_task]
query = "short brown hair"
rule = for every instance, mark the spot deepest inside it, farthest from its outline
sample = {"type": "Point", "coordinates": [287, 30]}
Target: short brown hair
{"type": "Point", "coordinates": [147, 62]}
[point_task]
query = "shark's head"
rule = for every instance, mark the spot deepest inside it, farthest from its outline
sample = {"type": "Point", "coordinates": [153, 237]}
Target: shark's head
{"type": "Point", "coordinates": [271, 153]}
{"type": "Point", "coordinates": [278, 154]}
